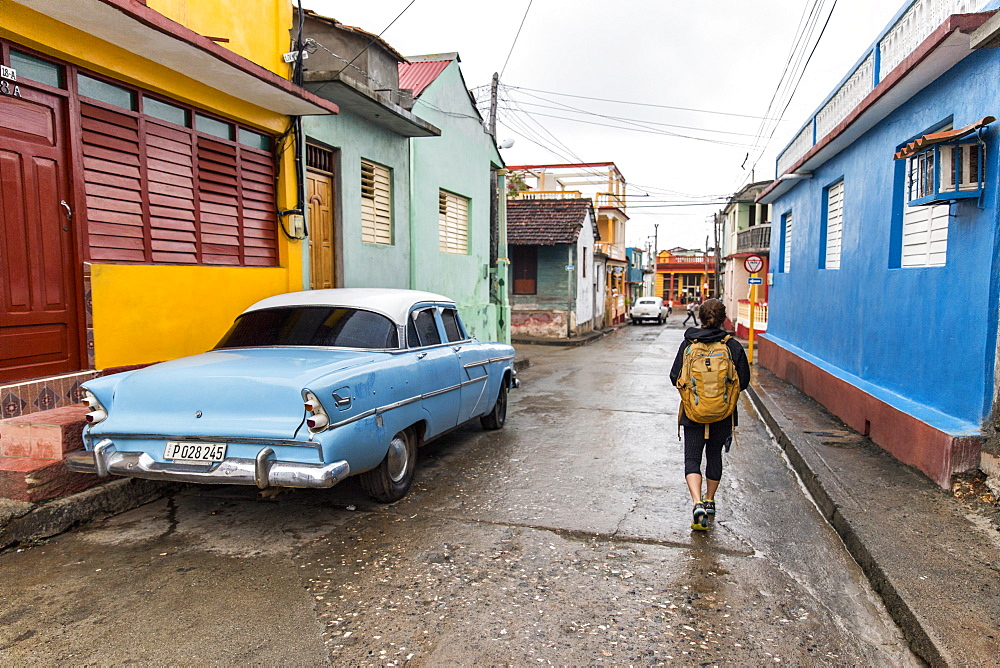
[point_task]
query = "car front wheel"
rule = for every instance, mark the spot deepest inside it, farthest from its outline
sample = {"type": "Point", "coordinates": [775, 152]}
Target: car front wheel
{"type": "Point", "coordinates": [496, 418]}
{"type": "Point", "coordinates": [391, 479]}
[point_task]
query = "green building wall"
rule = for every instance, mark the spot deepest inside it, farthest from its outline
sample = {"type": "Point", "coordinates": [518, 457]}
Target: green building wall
{"type": "Point", "coordinates": [458, 161]}
{"type": "Point", "coordinates": [361, 264]}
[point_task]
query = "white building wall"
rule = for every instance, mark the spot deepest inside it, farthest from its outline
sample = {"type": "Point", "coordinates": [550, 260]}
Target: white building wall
{"type": "Point", "coordinates": [584, 279]}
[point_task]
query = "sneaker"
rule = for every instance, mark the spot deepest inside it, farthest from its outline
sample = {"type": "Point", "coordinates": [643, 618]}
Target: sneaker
{"type": "Point", "coordinates": [709, 506]}
{"type": "Point", "coordinates": [700, 522]}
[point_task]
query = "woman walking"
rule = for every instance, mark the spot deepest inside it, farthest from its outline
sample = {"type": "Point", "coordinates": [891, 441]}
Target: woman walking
{"type": "Point", "coordinates": [708, 365]}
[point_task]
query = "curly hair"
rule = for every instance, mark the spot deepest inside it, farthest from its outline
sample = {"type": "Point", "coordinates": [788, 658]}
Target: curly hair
{"type": "Point", "coordinates": [713, 313]}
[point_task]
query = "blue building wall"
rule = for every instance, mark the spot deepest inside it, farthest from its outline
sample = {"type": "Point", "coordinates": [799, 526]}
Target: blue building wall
{"type": "Point", "coordinates": [924, 335]}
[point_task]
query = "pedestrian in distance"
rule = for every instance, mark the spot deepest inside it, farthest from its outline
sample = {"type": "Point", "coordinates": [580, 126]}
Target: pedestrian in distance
{"type": "Point", "coordinates": [710, 370]}
{"type": "Point", "coordinates": [691, 314]}
{"type": "Point", "coordinates": [670, 307]}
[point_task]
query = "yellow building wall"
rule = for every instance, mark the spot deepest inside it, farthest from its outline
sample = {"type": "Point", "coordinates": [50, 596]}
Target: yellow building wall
{"type": "Point", "coordinates": [152, 313]}
{"type": "Point", "coordinates": [256, 29]}
{"type": "Point", "coordinates": [149, 313]}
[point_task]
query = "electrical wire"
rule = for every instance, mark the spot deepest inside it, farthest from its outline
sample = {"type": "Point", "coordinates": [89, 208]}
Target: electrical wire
{"type": "Point", "coordinates": [640, 104]}
{"type": "Point", "coordinates": [575, 110]}
{"type": "Point", "coordinates": [523, 18]}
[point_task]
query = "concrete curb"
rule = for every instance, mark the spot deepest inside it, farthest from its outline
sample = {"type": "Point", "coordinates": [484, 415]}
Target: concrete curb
{"type": "Point", "coordinates": [917, 636]}
{"type": "Point", "coordinates": [566, 343]}
{"type": "Point", "coordinates": [21, 521]}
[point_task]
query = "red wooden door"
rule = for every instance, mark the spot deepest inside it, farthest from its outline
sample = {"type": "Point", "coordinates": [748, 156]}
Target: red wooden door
{"type": "Point", "coordinates": [39, 328]}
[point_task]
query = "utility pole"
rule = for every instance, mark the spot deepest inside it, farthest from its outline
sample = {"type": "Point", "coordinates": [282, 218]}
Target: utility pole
{"type": "Point", "coordinates": [704, 287]}
{"type": "Point", "coordinates": [494, 181]}
{"type": "Point", "coordinates": [718, 253]}
{"type": "Point", "coordinates": [493, 105]}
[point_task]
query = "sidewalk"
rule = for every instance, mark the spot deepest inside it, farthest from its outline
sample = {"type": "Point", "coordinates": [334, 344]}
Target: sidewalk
{"type": "Point", "coordinates": [934, 561]}
{"type": "Point", "coordinates": [572, 342]}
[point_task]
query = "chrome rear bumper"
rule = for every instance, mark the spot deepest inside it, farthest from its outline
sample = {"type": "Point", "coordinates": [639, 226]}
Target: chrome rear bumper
{"type": "Point", "coordinates": [263, 471]}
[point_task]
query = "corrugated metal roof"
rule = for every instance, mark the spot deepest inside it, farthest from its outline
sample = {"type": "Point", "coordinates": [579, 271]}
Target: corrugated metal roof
{"type": "Point", "coordinates": [419, 76]}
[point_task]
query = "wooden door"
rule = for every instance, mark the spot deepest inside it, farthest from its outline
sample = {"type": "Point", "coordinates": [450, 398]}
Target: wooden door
{"type": "Point", "coordinates": [321, 243]}
{"type": "Point", "coordinates": [39, 328]}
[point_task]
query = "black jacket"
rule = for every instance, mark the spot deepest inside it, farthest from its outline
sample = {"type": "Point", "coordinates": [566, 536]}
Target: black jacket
{"type": "Point", "coordinates": [694, 334]}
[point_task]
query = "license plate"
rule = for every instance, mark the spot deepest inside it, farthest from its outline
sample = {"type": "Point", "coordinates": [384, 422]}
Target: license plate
{"type": "Point", "coordinates": [194, 452]}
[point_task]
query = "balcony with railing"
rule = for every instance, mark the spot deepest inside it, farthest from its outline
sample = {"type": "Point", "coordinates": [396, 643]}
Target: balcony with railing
{"type": "Point", "coordinates": [898, 41]}
{"type": "Point", "coordinates": [743, 318]}
{"type": "Point", "coordinates": [611, 199]}
{"type": "Point", "coordinates": [756, 239]}
{"type": "Point", "coordinates": [549, 194]}
{"type": "Point", "coordinates": [613, 251]}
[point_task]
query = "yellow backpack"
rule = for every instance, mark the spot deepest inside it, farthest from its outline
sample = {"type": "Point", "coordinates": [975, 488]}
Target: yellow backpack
{"type": "Point", "coordinates": [709, 384]}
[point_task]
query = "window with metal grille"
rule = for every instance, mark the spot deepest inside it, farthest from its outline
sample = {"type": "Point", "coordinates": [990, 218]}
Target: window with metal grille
{"type": "Point", "coordinates": [376, 203]}
{"type": "Point", "coordinates": [453, 223]}
{"type": "Point", "coordinates": [834, 225]}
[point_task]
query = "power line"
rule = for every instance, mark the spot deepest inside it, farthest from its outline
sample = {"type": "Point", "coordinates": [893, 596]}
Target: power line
{"type": "Point", "coordinates": [653, 131]}
{"type": "Point", "coordinates": [633, 120]}
{"type": "Point", "coordinates": [523, 18]}
{"type": "Point", "coordinates": [640, 104]}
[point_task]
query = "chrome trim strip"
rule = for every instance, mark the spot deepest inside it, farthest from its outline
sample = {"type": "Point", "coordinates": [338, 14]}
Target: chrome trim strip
{"type": "Point", "coordinates": [474, 380]}
{"type": "Point", "coordinates": [445, 390]}
{"type": "Point", "coordinates": [398, 404]}
{"type": "Point", "coordinates": [502, 359]}
{"type": "Point", "coordinates": [359, 416]}
{"type": "Point", "coordinates": [213, 439]}
{"type": "Point", "coordinates": [236, 471]}
{"type": "Point", "coordinates": [472, 365]}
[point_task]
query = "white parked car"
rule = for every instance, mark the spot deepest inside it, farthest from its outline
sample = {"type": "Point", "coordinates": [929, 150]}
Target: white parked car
{"type": "Point", "coordinates": [648, 308]}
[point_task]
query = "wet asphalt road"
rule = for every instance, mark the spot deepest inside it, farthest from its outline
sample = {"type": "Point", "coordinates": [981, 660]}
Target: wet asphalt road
{"type": "Point", "coordinates": [562, 539]}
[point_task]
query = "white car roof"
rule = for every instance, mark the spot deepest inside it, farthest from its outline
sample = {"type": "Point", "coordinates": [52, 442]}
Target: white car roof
{"type": "Point", "coordinates": [392, 302]}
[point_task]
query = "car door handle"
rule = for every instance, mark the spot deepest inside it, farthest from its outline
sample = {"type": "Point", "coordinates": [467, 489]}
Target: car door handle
{"type": "Point", "coordinates": [420, 356]}
{"type": "Point", "coordinates": [456, 348]}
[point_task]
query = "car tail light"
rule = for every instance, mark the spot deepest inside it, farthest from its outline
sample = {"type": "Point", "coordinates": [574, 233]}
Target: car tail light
{"type": "Point", "coordinates": [97, 412]}
{"type": "Point", "coordinates": [318, 420]}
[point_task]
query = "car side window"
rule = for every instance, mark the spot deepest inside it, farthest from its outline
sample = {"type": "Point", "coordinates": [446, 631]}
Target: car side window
{"type": "Point", "coordinates": [426, 328]}
{"type": "Point", "coordinates": [452, 325]}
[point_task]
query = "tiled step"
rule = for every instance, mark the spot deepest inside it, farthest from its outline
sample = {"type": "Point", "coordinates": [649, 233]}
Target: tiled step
{"type": "Point", "coordinates": [47, 435]}
{"type": "Point", "coordinates": [31, 454]}
{"type": "Point", "coordinates": [37, 479]}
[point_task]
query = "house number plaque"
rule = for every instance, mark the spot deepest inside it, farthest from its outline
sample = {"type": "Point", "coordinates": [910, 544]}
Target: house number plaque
{"type": "Point", "coordinates": [8, 82]}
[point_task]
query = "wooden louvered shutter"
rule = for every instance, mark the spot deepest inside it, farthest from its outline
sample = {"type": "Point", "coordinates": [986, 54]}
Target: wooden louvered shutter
{"type": "Point", "coordinates": [453, 223]}
{"type": "Point", "coordinates": [260, 228]}
{"type": "Point", "coordinates": [376, 204]}
{"type": "Point", "coordinates": [170, 179]}
{"type": "Point", "coordinates": [219, 195]}
{"type": "Point", "coordinates": [114, 185]}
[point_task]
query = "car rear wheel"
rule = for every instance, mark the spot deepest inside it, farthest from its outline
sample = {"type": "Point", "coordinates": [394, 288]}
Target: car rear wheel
{"type": "Point", "coordinates": [496, 418]}
{"type": "Point", "coordinates": [390, 480]}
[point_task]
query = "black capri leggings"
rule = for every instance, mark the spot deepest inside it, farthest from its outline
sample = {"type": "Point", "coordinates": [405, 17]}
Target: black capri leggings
{"type": "Point", "coordinates": [695, 442]}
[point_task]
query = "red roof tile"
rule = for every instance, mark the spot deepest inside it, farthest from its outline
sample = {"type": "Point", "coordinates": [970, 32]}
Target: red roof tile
{"type": "Point", "coordinates": [420, 75]}
{"type": "Point", "coordinates": [546, 222]}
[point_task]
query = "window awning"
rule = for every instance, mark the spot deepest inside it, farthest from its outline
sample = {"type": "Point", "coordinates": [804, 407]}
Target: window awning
{"type": "Point", "coordinates": [921, 143]}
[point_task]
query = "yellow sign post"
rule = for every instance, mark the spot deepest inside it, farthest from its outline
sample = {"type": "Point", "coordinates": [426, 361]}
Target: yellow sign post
{"type": "Point", "coordinates": [753, 312]}
{"type": "Point", "coordinates": [753, 264]}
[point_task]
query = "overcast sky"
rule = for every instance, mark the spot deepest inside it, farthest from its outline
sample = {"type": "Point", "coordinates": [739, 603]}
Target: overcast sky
{"type": "Point", "coordinates": [725, 56]}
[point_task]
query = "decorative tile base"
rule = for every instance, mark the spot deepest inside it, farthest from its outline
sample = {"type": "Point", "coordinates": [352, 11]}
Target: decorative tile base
{"type": "Point", "coordinates": [41, 394]}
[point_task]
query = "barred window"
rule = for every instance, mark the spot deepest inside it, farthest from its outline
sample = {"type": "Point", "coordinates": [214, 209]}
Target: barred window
{"type": "Point", "coordinates": [453, 223]}
{"type": "Point", "coordinates": [376, 203]}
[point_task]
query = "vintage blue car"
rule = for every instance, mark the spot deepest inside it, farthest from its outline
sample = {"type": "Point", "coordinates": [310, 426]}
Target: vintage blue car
{"type": "Point", "coordinates": [304, 390]}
